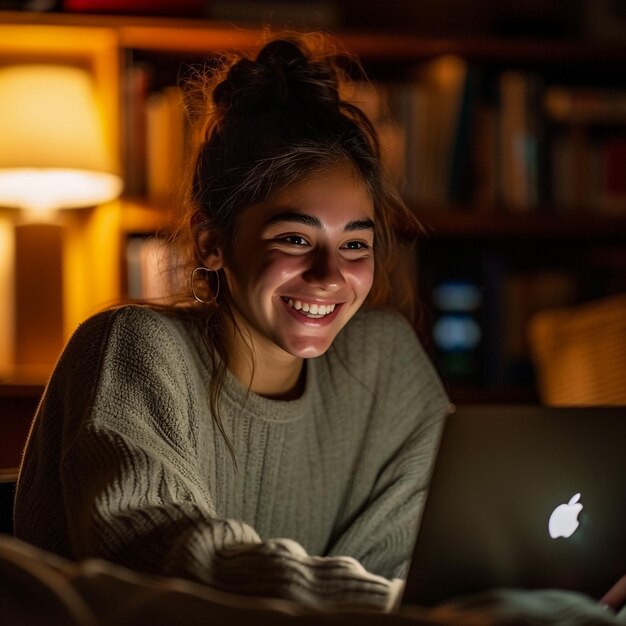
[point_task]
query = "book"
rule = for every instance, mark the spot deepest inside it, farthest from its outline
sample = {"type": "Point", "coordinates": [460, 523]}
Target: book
{"type": "Point", "coordinates": [564, 190]}
{"type": "Point", "coordinates": [373, 100]}
{"type": "Point", "coordinates": [406, 103]}
{"type": "Point", "coordinates": [135, 81]}
{"type": "Point", "coordinates": [444, 81]}
{"type": "Point", "coordinates": [484, 157]}
{"type": "Point", "coordinates": [588, 170]}
{"type": "Point", "coordinates": [610, 188]}
{"type": "Point", "coordinates": [519, 145]}
{"type": "Point", "coordinates": [460, 172]}
{"type": "Point", "coordinates": [434, 112]}
{"type": "Point", "coordinates": [165, 143]}
{"type": "Point", "coordinates": [585, 106]}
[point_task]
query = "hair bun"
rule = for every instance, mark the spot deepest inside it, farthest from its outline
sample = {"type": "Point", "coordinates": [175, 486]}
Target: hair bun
{"type": "Point", "coordinates": [283, 54]}
{"type": "Point", "coordinates": [282, 75]}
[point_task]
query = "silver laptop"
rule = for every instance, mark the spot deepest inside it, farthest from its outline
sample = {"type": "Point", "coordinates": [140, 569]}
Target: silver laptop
{"type": "Point", "coordinates": [523, 497]}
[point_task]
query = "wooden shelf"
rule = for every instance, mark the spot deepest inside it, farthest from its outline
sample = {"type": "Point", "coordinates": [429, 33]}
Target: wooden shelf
{"type": "Point", "coordinates": [140, 216]}
{"type": "Point", "coordinates": [18, 403]}
{"type": "Point", "coordinates": [468, 394]}
{"type": "Point", "coordinates": [205, 36]}
{"type": "Point", "coordinates": [558, 226]}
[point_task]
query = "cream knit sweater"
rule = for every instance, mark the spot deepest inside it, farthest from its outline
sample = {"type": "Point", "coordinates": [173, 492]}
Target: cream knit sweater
{"type": "Point", "coordinates": [124, 461]}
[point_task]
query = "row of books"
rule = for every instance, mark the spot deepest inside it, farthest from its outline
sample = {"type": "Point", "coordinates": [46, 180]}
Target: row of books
{"type": "Point", "coordinates": [156, 138]}
{"type": "Point", "coordinates": [452, 136]}
{"type": "Point", "coordinates": [456, 136]}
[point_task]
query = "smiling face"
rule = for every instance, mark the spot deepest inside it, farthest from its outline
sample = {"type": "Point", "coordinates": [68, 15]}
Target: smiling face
{"type": "Point", "coordinates": [302, 264]}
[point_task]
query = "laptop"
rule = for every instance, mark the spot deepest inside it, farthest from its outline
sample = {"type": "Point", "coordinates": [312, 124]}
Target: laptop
{"type": "Point", "coordinates": [523, 497]}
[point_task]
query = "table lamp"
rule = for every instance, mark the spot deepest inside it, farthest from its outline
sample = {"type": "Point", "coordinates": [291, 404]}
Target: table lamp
{"type": "Point", "coordinates": [54, 155]}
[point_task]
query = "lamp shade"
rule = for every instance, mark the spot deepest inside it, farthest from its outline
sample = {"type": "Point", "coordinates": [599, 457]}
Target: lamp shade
{"type": "Point", "coordinates": [53, 152]}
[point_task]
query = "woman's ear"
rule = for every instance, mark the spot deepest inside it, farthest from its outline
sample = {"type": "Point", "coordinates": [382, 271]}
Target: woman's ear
{"type": "Point", "coordinates": [207, 244]}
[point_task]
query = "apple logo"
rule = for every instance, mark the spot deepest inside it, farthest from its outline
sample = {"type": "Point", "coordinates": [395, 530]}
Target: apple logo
{"type": "Point", "coordinates": [564, 519]}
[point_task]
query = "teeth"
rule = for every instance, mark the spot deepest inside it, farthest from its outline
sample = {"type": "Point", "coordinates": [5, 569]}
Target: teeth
{"type": "Point", "coordinates": [314, 311]}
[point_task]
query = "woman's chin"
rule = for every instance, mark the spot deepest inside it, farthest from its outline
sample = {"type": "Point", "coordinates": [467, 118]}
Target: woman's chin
{"type": "Point", "coordinates": [308, 349]}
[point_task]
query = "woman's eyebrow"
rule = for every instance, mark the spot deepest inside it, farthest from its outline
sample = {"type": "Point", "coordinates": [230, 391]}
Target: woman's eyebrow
{"type": "Point", "coordinates": [299, 218]}
{"type": "Point", "coordinates": [366, 224]}
{"type": "Point", "coordinates": [314, 222]}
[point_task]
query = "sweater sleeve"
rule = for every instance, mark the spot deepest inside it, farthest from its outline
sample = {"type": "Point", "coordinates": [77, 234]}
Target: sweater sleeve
{"type": "Point", "coordinates": [398, 452]}
{"type": "Point", "coordinates": [131, 485]}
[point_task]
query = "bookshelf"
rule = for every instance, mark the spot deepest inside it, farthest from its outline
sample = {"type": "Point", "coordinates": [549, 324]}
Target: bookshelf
{"type": "Point", "coordinates": [495, 224]}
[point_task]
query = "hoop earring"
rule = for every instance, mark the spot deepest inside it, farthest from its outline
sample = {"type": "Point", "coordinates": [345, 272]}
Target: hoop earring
{"type": "Point", "coordinates": [193, 286]}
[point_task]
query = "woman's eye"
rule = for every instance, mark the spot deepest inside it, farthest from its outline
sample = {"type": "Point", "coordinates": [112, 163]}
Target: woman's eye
{"type": "Point", "coordinates": [356, 245]}
{"type": "Point", "coordinates": [295, 240]}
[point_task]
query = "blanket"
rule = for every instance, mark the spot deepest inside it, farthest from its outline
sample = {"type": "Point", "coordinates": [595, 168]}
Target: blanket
{"type": "Point", "coordinates": [37, 587]}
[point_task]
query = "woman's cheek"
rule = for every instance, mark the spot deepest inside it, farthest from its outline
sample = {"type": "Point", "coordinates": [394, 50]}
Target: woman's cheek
{"type": "Point", "coordinates": [285, 267]}
{"type": "Point", "coordinates": [363, 274]}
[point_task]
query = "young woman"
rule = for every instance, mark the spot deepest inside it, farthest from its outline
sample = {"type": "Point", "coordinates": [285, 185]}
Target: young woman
{"type": "Point", "coordinates": [274, 433]}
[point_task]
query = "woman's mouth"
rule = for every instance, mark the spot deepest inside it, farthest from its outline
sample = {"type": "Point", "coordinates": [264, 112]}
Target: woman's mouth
{"type": "Point", "coordinates": [310, 310]}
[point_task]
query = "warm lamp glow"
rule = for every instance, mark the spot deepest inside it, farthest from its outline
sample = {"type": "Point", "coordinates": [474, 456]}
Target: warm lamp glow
{"type": "Point", "coordinates": [53, 152]}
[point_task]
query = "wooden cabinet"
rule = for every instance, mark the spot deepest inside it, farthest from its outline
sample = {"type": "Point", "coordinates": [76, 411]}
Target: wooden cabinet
{"type": "Point", "coordinates": [531, 209]}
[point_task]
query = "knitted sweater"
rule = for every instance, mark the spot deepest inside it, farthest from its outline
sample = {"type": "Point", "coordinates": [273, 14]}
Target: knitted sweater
{"type": "Point", "coordinates": [124, 461]}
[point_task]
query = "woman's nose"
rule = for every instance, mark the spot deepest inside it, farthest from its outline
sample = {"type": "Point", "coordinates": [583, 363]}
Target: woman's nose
{"type": "Point", "coordinates": [325, 271]}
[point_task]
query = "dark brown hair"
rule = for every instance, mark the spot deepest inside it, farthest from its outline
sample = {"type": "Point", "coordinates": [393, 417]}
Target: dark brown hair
{"type": "Point", "coordinates": [263, 123]}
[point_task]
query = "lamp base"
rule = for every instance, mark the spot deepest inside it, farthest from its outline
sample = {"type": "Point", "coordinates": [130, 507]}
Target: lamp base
{"type": "Point", "coordinates": [38, 295]}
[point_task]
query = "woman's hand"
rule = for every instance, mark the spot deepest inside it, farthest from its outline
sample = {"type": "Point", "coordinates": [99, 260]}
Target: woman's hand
{"type": "Point", "coordinates": [615, 598]}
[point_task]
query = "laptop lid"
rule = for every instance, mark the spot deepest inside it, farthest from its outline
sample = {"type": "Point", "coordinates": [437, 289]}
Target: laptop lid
{"type": "Point", "coordinates": [524, 497]}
